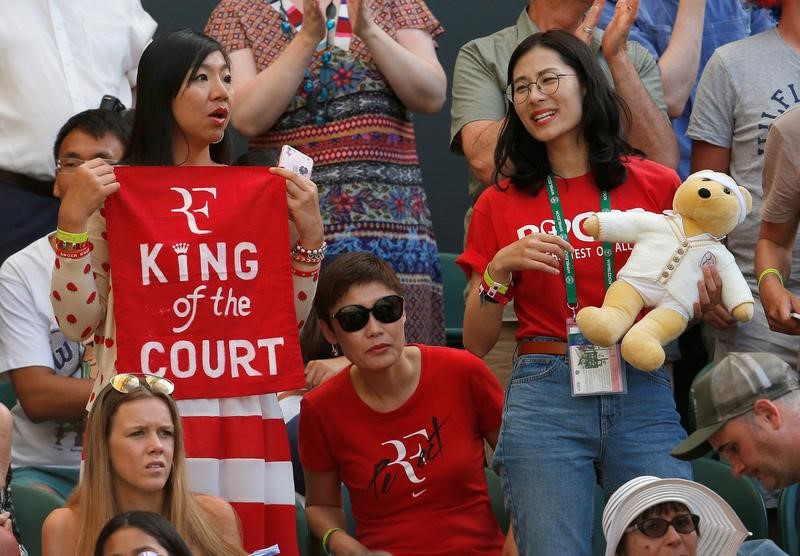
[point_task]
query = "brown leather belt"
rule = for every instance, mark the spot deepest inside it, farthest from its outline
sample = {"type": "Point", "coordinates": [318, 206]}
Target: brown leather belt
{"type": "Point", "coordinates": [21, 181]}
{"type": "Point", "coordinates": [542, 348]}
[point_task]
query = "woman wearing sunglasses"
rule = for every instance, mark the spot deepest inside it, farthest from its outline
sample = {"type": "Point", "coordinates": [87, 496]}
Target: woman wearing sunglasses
{"type": "Point", "coordinates": [402, 427]}
{"type": "Point", "coordinates": [562, 146]}
{"type": "Point", "coordinates": [135, 460]}
{"type": "Point", "coordinates": [184, 94]}
{"type": "Point", "coordinates": [648, 516]}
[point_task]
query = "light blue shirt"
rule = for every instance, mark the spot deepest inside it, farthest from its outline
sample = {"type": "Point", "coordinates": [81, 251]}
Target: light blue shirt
{"type": "Point", "coordinates": [725, 21]}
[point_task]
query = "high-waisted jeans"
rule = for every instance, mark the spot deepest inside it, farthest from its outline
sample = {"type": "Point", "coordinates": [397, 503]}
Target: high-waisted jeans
{"type": "Point", "coordinates": [554, 448]}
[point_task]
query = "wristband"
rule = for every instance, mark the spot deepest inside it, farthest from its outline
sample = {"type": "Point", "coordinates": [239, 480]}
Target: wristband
{"type": "Point", "coordinates": [311, 256]}
{"type": "Point", "coordinates": [314, 273]}
{"type": "Point", "coordinates": [74, 254]}
{"type": "Point", "coordinates": [492, 293]}
{"type": "Point", "coordinates": [326, 537]}
{"type": "Point", "coordinates": [69, 237]}
{"type": "Point", "coordinates": [767, 271]}
{"type": "Point", "coordinates": [493, 284]}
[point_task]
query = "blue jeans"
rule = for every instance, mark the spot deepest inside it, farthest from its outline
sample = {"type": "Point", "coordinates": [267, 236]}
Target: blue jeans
{"type": "Point", "coordinates": [554, 448]}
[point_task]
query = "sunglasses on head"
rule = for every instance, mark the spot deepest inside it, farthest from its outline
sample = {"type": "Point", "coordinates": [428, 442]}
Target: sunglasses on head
{"type": "Point", "coordinates": [355, 317]}
{"type": "Point", "coordinates": [127, 382]}
{"type": "Point", "coordinates": [656, 527]}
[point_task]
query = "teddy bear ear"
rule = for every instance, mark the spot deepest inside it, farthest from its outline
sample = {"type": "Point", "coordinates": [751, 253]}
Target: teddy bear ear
{"type": "Point", "coordinates": [748, 199]}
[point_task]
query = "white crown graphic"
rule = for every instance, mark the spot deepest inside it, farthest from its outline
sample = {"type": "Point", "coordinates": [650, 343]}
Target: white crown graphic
{"type": "Point", "coordinates": [181, 248]}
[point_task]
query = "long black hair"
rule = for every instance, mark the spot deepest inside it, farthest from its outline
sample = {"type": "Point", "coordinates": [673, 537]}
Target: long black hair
{"type": "Point", "coordinates": [163, 69]}
{"type": "Point", "coordinates": [600, 122]}
{"type": "Point", "coordinates": [155, 525]}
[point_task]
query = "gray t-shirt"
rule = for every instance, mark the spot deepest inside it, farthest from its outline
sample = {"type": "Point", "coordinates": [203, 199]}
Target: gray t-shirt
{"type": "Point", "coordinates": [746, 85]}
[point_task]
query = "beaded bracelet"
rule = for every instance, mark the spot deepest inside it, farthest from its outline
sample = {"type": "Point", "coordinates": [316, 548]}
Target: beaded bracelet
{"type": "Point", "coordinates": [326, 537]}
{"type": "Point", "coordinates": [70, 237]}
{"type": "Point", "coordinates": [312, 256]}
{"type": "Point", "coordinates": [767, 271]}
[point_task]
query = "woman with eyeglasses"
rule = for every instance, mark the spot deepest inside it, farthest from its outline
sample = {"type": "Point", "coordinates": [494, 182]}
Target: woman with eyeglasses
{"type": "Point", "coordinates": [648, 516]}
{"type": "Point", "coordinates": [140, 534]}
{"type": "Point", "coordinates": [135, 460]}
{"type": "Point", "coordinates": [236, 445]}
{"type": "Point", "coordinates": [574, 416]}
{"type": "Point", "coordinates": [402, 427]}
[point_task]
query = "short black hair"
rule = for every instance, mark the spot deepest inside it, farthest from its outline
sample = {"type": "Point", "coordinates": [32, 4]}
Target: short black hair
{"type": "Point", "coordinates": [97, 123]}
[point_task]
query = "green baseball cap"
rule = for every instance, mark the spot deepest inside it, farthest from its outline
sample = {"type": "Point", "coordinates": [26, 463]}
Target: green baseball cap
{"type": "Point", "coordinates": [729, 389]}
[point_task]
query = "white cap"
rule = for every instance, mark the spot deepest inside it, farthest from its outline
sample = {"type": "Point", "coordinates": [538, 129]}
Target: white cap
{"type": "Point", "coordinates": [721, 530]}
{"type": "Point", "coordinates": [728, 182]}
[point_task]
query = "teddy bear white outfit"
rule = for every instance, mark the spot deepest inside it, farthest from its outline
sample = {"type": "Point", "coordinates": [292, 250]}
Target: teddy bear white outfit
{"type": "Point", "coordinates": [664, 264]}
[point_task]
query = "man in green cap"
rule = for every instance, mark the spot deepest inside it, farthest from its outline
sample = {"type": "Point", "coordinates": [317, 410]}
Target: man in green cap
{"type": "Point", "coordinates": [748, 411]}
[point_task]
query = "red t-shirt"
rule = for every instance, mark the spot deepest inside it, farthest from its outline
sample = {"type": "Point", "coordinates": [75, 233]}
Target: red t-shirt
{"type": "Point", "coordinates": [501, 217]}
{"type": "Point", "coordinates": [415, 474]}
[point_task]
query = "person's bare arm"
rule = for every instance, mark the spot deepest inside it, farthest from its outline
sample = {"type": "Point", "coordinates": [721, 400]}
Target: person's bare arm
{"type": "Point", "coordinates": [774, 250]}
{"type": "Point", "coordinates": [221, 514]}
{"type": "Point", "coordinates": [409, 63]}
{"type": "Point", "coordinates": [60, 533]}
{"type": "Point", "coordinates": [324, 512]}
{"type": "Point", "coordinates": [649, 130]}
{"type": "Point", "coordinates": [706, 156]}
{"type": "Point", "coordinates": [46, 396]}
{"type": "Point", "coordinates": [261, 97]}
{"type": "Point", "coordinates": [681, 60]}
{"type": "Point", "coordinates": [478, 141]}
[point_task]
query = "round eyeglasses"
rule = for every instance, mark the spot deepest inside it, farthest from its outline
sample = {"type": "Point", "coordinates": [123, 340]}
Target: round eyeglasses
{"type": "Point", "coordinates": [68, 164]}
{"type": "Point", "coordinates": [547, 84]}
{"type": "Point", "coordinates": [387, 310]}
{"type": "Point", "coordinates": [656, 527]}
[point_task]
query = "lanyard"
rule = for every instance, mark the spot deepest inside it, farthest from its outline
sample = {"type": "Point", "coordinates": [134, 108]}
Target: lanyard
{"type": "Point", "coordinates": [561, 230]}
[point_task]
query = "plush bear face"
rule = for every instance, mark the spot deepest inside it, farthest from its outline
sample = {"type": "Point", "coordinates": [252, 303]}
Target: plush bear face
{"type": "Point", "coordinates": [709, 199]}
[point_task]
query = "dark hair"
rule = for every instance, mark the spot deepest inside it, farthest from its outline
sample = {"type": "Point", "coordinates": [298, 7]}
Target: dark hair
{"type": "Point", "coordinates": [258, 157]}
{"type": "Point", "coordinates": [600, 121]}
{"type": "Point", "coordinates": [163, 70]}
{"type": "Point", "coordinates": [349, 270]}
{"type": "Point", "coordinates": [151, 523]}
{"type": "Point", "coordinates": [97, 123]}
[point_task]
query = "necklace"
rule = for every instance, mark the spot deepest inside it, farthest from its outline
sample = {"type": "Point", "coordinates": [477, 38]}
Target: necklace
{"type": "Point", "coordinates": [316, 89]}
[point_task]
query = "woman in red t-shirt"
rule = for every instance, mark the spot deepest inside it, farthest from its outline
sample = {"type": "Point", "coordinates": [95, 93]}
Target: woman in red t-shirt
{"type": "Point", "coordinates": [402, 427]}
{"type": "Point", "coordinates": [566, 425]}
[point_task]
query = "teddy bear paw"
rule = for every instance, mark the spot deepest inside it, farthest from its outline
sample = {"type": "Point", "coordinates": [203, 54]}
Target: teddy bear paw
{"type": "Point", "coordinates": [642, 351]}
{"type": "Point", "coordinates": [598, 326]}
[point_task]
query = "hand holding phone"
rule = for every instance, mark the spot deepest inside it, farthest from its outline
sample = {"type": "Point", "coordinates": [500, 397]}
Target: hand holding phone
{"type": "Point", "coordinates": [297, 162]}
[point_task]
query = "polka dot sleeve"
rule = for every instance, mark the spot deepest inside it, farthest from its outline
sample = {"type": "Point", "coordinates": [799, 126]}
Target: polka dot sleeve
{"type": "Point", "coordinates": [304, 289]}
{"type": "Point", "coordinates": [80, 286]}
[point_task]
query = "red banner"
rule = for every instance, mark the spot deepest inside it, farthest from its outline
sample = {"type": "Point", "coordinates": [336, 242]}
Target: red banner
{"type": "Point", "coordinates": [202, 279]}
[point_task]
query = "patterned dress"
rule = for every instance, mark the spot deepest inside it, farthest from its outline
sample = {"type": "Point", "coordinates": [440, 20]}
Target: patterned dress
{"type": "Point", "coordinates": [364, 149]}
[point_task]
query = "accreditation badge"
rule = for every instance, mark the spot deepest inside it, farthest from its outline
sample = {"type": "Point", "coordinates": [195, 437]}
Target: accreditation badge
{"type": "Point", "coordinates": [594, 370]}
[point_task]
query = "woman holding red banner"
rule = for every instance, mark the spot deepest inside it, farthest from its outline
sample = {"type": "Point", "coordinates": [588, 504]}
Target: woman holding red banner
{"type": "Point", "coordinates": [183, 104]}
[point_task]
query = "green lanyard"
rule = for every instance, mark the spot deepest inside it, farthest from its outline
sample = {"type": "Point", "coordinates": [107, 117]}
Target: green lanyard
{"type": "Point", "coordinates": [561, 230]}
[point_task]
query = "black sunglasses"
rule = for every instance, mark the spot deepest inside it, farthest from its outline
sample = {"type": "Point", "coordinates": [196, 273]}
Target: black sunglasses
{"type": "Point", "coordinates": [355, 317]}
{"type": "Point", "coordinates": [656, 527]}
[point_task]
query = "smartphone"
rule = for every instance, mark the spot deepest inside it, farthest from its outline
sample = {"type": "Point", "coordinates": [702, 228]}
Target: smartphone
{"type": "Point", "coordinates": [795, 315]}
{"type": "Point", "coordinates": [294, 160]}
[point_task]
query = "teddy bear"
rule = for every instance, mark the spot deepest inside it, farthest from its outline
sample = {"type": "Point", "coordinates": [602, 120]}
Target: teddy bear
{"type": "Point", "coordinates": [667, 260]}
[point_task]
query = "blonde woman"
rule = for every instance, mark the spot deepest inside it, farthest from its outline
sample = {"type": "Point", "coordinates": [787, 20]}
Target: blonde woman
{"type": "Point", "coordinates": [135, 461]}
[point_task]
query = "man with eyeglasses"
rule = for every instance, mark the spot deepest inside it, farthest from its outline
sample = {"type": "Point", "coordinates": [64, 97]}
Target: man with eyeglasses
{"type": "Point", "coordinates": [59, 58]}
{"type": "Point", "coordinates": [50, 374]}
{"type": "Point", "coordinates": [479, 106]}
